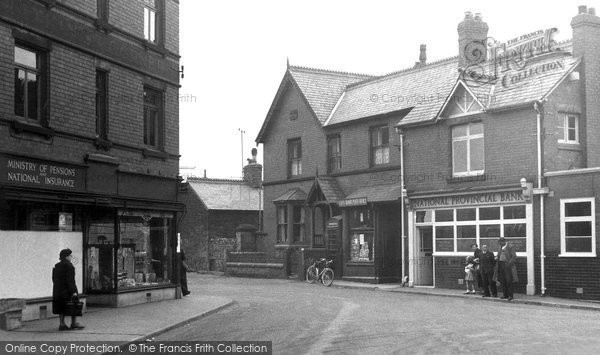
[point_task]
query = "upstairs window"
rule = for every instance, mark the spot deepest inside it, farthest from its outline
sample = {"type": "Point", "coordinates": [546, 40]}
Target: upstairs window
{"type": "Point", "coordinates": [28, 72]}
{"type": "Point", "coordinates": [294, 157]}
{"type": "Point", "coordinates": [334, 153]}
{"type": "Point", "coordinates": [153, 118]}
{"type": "Point", "coordinates": [150, 18]}
{"type": "Point", "coordinates": [467, 149]}
{"type": "Point", "coordinates": [102, 104]}
{"type": "Point", "coordinates": [578, 227]}
{"type": "Point", "coordinates": [380, 145]}
{"type": "Point", "coordinates": [568, 129]}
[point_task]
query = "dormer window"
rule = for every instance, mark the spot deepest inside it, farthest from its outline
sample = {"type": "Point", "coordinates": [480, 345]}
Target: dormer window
{"type": "Point", "coordinates": [462, 103]}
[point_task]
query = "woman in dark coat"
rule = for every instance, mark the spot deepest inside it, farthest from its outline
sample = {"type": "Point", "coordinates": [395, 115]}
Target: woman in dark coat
{"type": "Point", "coordinates": [64, 289]}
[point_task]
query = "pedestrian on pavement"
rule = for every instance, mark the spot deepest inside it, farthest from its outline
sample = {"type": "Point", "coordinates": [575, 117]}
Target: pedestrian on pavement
{"type": "Point", "coordinates": [469, 275]}
{"type": "Point", "coordinates": [507, 268]}
{"type": "Point", "coordinates": [477, 260]}
{"type": "Point", "coordinates": [486, 269]}
{"type": "Point", "coordinates": [184, 269]}
{"type": "Point", "coordinates": [64, 289]}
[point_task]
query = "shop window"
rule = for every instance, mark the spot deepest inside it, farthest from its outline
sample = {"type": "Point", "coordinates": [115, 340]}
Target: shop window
{"type": "Point", "coordinates": [42, 217]}
{"type": "Point", "coordinates": [489, 213]}
{"type": "Point", "coordinates": [465, 237]}
{"type": "Point", "coordinates": [153, 118]}
{"type": "Point", "coordinates": [444, 238]}
{"type": "Point", "coordinates": [423, 216]}
{"type": "Point", "coordinates": [514, 212]}
{"type": "Point", "coordinates": [380, 145]}
{"type": "Point", "coordinates": [465, 214]}
{"type": "Point", "coordinates": [488, 235]}
{"type": "Point", "coordinates": [444, 215]}
{"type": "Point", "coordinates": [568, 129]}
{"type": "Point", "coordinates": [102, 104]}
{"type": "Point", "coordinates": [578, 227]}
{"type": "Point", "coordinates": [334, 153]}
{"type": "Point", "coordinates": [28, 80]}
{"type": "Point", "coordinates": [282, 224]}
{"type": "Point", "coordinates": [361, 247]}
{"type": "Point", "coordinates": [360, 217]}
{"type": "Point", "coordinates": [144, 254]}
{"type": "Point", "coordinates": [467, 149]}
{"type": "Point", "coordinates": [516, 234]}
{"type": "Point", "coordinates": [298, 223]}
{"type": "Point", "coordinates": [100, 274]}
{"type": "Point", "coordinates": [294, 150]}
{"type": "Point", "coordinates": [150, 21]}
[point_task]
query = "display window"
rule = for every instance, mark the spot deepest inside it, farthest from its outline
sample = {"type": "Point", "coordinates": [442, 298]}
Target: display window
{"type": "Point", "coordinates": [100, 275]}
{"type": "Point", "coordinates": [361, 234]}
{"type": "Point", "coordinates": [456, 229]}
{"type": "Point", "coordinates": [40, 217]}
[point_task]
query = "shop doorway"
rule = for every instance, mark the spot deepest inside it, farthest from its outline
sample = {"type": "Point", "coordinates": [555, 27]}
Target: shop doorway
{"type": "Point", "coordinates": [424, 256]}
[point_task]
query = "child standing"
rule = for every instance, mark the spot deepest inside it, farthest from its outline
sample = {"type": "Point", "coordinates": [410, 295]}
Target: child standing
{"type": "Point", "coordinates": [470, 275]}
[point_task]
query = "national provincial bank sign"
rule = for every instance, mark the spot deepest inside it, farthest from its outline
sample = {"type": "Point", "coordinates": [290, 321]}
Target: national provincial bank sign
{"type": "Point", "coordinates": [484, 198]}
{"type": "Point", "coordinates": [41, 174]}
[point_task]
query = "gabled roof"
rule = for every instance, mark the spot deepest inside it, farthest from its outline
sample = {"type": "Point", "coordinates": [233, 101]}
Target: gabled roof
{"type": "Point", "coordinates": [329, 187]}
{"type": "Point", "coordinates": [320, 90]}
{"type": "Point", "coordinates": [232, 195]}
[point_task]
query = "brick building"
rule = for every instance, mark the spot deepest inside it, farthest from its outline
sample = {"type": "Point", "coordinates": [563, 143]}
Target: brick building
{"type": "Point", "coordinates": [217, 214]}
{"type": "Point", "coordinates": [494, 142]}
{"type": "Point", "coordinates": [89, 152]}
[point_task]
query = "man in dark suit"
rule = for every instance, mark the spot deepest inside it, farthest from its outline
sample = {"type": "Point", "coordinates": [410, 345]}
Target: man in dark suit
{"type": "Point", "coordinates": [486, 268]}
{"type": "Point", "coordinates": [477, 257]}
{"type": "Point", "coordinates": [506, 262]}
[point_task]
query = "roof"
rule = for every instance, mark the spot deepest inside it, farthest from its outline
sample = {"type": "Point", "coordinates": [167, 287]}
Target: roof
{"type": "Point", "coordinates": [320, 89]}
{"type": "Point", "coordinates": [329, 187]}
{"type": "Point", "coordinates": [425, 87]}
{"type": "Point", "coordinates": [226, 194]}
{"type": "Point", "coordinates": [378, 193]}
{"type": "Point", "coordinates": [291, 195]}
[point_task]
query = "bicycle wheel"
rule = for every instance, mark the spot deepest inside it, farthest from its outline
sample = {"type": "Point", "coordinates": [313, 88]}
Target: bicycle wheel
{"type": "Point", "coordinates": [311, 274]}
{"type": "Point", "coordinates": [327, 277]}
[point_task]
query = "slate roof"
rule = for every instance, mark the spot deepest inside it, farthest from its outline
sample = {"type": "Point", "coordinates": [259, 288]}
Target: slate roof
{"type": "Point", "coordinates": [378, 193]}
{"type": "Point", "coordinates": [329, 187]}
{"type": "Point", "coordinates": [291, 195]}
{"type": "Point", "coordinates": [226, 194]}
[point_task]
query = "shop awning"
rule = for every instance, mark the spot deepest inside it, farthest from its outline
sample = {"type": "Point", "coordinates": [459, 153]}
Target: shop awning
{"type": "Point", "coordinates": [380, 193]}
{"type": "Point", "coordinates": [292, 195]}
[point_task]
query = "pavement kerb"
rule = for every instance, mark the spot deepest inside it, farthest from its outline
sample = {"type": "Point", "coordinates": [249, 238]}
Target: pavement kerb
{"type": "Point", "coordinates": [516, 301]}
{"type": "Point", "coordinates": [178, 324]}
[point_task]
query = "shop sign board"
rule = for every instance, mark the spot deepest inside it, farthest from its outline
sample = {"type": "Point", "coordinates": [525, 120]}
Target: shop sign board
{"type": "Point", "coordinates": [485, 198]}
{"type": "Point", "coordinates": [41, 174]}
{"type": "Point", "coordinates": [362, 201]}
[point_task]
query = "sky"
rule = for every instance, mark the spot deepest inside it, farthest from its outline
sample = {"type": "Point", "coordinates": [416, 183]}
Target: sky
{"type": "Point", "coordinates": [235, 52]}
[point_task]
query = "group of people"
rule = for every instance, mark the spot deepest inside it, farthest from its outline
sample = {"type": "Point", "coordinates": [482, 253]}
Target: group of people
{"type": "Point", "coordinates": [487, 269]}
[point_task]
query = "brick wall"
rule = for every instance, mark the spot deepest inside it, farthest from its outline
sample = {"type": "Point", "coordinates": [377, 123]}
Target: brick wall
{"type": "Point", "coordinates": [89, 7]}
{"type": "Point", "coordinates": [193, 230]}
{"type": "Point", "coordinates": [127, 15]}
{"type": "Point", "coordinates": [565, 274]}
{"type": "Point", "coordinates": [509, 144]}
{"type": "Point", "coordinates": [172, 26]}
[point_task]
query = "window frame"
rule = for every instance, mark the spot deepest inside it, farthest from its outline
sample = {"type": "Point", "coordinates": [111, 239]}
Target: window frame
{"type": "Point", "coordinates": [102, 101]}
{"type": "Point", "coordinates": [301, 237]}
{"type": "Point", "coordinates": [468, 138]}
{"type": "Point", "coordinates": [160, 116]}
{"type": "Point", "coordinates": [157, 9]}
{"type": "Point", "coordinates": [565, 129]}
{"type": "Point", "coordinates": [40, 74]}
{"type": "Point", "coordinates": [281, 225]}
{"type": "Point", "coordinates": [334, 160]}
{"type": "Point", "coordinates": [564, 220]}
{"type": "Point", "coordinates": [294, 160]}
{"type": "Point", "coordinates": [374, 148]}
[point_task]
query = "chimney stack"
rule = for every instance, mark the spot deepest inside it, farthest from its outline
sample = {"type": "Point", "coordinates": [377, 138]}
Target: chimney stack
{"type": "Point", "coordinates": [423, 55]}
{"type": "Point", "coordinates": [586, 31]}
{"type": "Point", "coordinates": [472, 39]}
{"type": "Point", "coordinates": [252, 173]}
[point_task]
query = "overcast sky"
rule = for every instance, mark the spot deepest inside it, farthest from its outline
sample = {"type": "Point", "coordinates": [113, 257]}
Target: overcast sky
{"type": "Point", "coordinates": [234, 53]}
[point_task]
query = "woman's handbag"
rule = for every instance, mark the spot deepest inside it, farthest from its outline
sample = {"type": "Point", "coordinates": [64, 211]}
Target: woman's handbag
{"type": "Point", "coordinates": [74, 307]}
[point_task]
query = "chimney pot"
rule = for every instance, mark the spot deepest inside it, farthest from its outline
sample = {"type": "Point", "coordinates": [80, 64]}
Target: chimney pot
{"type": "Point", "coordinates": [478, 16]}
{"type": "Point", "coordinates": [423, 55]}
{"type": "Point", "coordinates": [582, 9]}
{"type": "Point", "coordinates": [592, 11]}
{"type": "Point", "coordinates": [468, 15]}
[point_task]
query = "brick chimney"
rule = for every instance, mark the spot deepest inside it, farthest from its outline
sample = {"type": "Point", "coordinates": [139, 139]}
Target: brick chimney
{"type": "Point", "coordinates": [586, 31]}
{"type": "Point", "coordinates": [472, 39]}
{"type": "Point", "coordinates": [252, 172]}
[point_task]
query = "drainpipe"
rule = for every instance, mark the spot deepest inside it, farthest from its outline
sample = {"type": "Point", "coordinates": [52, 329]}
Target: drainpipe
{"type": "Point", "coordinates": [402, 194]}
{"type": "Point", "coordinates": [538, 106]}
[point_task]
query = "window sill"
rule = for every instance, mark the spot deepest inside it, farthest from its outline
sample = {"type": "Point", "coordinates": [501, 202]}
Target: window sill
{"type": "Point", "coordinates": [155, 47]}
{"type": "Point", "coordinates": [152, 153]}
{"type": "Point", "coordinates": [577, 255]}
{"type": "Point", "coordinates": [569, 146]}
{"type": "Point", "coordinates": [360, 263]}
{"type": "Point", "coordinates": [104, 144]}
{"type": "Point", "coordinates": [30, 127]}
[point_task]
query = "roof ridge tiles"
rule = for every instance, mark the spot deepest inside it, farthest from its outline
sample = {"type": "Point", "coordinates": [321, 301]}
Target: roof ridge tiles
{"type": "Point", "coordinates": [202, 179]}
{"type": "Point", "coordinates": [337, 72]}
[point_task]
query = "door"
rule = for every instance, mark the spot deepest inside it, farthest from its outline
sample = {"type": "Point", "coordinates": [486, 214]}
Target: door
{"type": "Point", "coordinates": [334, 245]}
{"type": "Point", "coordinates": [424, 259]}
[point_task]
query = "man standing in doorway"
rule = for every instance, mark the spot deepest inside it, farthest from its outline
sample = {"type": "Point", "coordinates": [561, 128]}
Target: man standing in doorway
{"type": "Point", "coordinates": [506, 263]}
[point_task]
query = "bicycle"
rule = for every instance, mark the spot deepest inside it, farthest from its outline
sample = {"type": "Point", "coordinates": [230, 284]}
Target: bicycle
{"type": "Point", "coordinates": [325, 274]}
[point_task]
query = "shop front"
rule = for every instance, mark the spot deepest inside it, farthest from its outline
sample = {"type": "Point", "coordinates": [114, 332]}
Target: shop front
{"type": "Point", "coordinates": [123, 242]}
{"type": "Point", "coordinates": [371, 235]}
{"type": "Point", "coordinates": [443, 228]}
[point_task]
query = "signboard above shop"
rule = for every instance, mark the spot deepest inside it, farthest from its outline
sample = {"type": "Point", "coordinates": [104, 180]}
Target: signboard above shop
{"type": "Point", "coordinates": [362, 201]}
{"type": "Point", "coordinates": [484, 198]}
{"type": "Point", "coordinates": [41, 174]}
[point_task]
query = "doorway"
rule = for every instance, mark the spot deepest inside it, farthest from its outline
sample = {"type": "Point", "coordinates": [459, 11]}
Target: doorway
{"type": "Point", "coordinates": [424, 256]}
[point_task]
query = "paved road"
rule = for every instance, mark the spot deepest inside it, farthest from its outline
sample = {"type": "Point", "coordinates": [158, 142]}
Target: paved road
{"type": "Point", "coordinates": [308, 319]}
